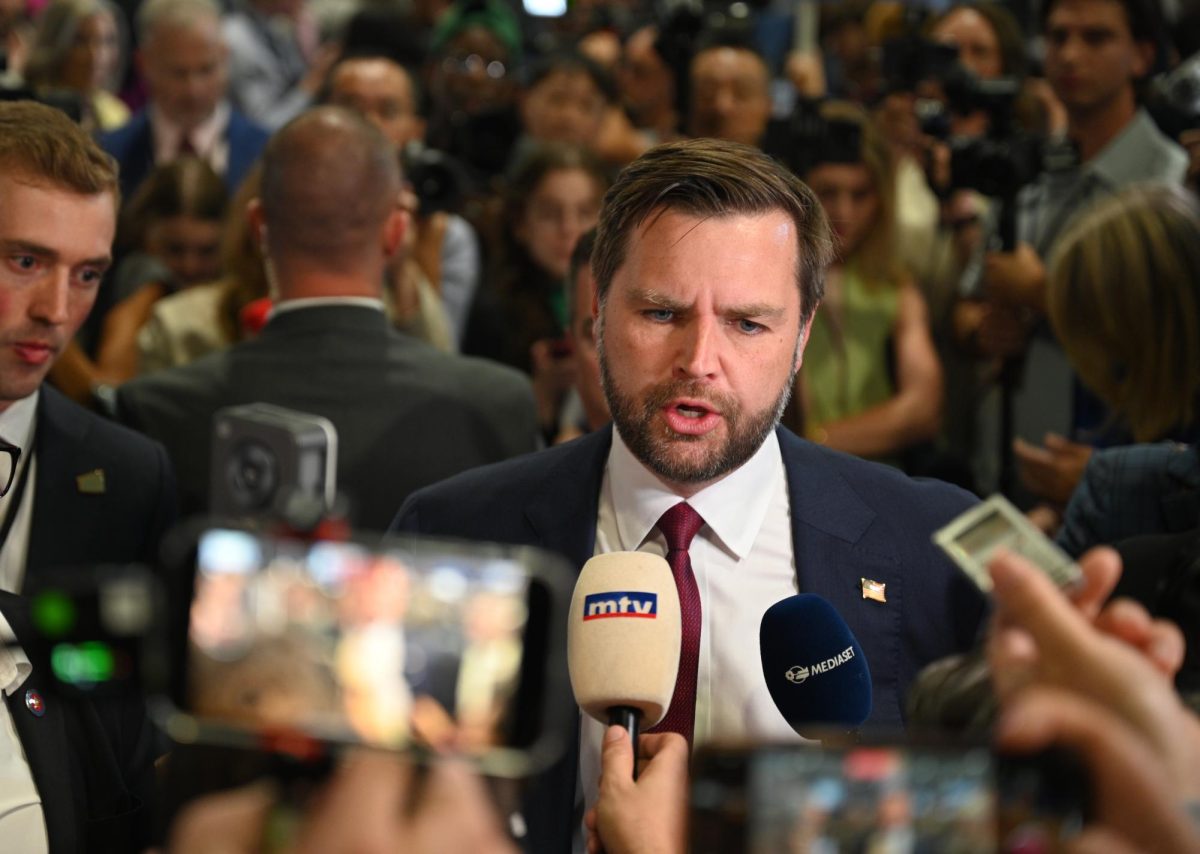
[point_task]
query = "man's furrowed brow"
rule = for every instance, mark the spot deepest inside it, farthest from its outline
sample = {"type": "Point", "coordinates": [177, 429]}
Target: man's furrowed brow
{"type": "Point", "coordinates": [762, 310]}
{"type": "Point", "coordinates": [658, 298]}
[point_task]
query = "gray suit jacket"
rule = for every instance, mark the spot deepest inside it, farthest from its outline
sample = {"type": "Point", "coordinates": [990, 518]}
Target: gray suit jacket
{"type": "Point", "coordinates": [406, 415]}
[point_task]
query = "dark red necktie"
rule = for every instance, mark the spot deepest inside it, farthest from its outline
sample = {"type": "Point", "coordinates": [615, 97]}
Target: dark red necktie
{"type": "Point", "coordinates": [679, 525]}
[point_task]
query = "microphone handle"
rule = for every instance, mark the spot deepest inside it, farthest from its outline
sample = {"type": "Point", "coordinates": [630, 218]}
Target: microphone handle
{"type": "Point", "coordinates": [628, 718]}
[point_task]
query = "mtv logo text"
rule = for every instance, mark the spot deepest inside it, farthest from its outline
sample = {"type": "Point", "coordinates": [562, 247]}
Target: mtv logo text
{"type": "Point", "coordinates": [798, 674]}
{"type": "Point", "coordinates": [620, 603]}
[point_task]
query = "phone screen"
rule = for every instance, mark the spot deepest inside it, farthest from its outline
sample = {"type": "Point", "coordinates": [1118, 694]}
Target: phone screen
{"type": "Point", "coordinates": [545, 8]}
{"type": "Point", "coordinates": [405, 645]}
{"type": "Point", "coordinates": [871, 799]}
{"type": "Point", "coordinates": [885, 798]}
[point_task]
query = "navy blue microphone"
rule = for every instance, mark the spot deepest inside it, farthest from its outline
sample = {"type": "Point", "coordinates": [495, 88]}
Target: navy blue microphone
{"type": "Point", "coordinates": [814, 667]}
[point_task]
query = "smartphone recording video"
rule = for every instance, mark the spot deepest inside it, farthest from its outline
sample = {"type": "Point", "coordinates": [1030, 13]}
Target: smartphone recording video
{"type": "Point", "coordinates": [902, 798]}
{"type": "Point", "coordinates": [301, 646]}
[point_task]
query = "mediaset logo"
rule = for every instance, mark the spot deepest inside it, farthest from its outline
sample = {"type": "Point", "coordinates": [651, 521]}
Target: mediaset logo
{"type": "Point", "coordinates": [798, 674]}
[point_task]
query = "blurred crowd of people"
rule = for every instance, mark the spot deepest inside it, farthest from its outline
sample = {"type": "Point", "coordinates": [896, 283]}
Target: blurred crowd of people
{"type": "Point", "coordinates": [1012, 304]}
{"type": "Point", "coordinates": [952, 146]}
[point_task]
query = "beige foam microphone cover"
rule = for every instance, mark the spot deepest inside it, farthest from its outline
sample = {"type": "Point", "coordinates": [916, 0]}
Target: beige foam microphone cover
{"type": "Point", "coordinates": [618, 656]}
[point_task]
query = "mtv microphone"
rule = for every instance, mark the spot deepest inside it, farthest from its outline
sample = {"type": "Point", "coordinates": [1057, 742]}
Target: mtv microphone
{"type": "Point", "coordinates": [814, 667]}
{"type": "Point", "coordinates": [623, 640]}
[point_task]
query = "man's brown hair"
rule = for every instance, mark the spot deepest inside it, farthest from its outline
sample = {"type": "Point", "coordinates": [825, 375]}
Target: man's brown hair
{"type": "Point", "coordinates": [41, 145]}
{"type": "Point", "coordinates": [712, 178]}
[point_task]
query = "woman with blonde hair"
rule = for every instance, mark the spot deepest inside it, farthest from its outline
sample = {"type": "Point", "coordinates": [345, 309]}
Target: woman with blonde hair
{"type": "Point", "coordinates": [79, 47]}
{"type": "Point", "coordinates": [871, 383]}
{"type": "Point", "coordinates": [1123, 294]}
{"type": "Point", "coordinates": [1123, 299]}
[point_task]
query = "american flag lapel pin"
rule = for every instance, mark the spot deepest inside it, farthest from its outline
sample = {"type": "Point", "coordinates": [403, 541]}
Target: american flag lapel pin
{"type": "Point", "coordinates": [874, 590]}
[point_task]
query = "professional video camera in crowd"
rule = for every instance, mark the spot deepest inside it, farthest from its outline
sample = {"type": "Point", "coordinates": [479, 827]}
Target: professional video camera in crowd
{"type": "Point", "coordinates": [999, 162]}
{"type": "Point", "coordinates": [438, 180]}
{"type": "Point", "coordinates": [1006, 158]}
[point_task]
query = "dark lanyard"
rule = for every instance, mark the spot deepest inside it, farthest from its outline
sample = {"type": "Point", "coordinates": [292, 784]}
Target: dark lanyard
{"type": "Point", "coordinates": [14, 498]}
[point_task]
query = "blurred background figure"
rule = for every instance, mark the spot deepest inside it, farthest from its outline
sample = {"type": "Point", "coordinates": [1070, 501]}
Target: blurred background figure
{"type": "Point", "coordinates": [16, 32]}
{"type": "Point", "coordinates": [1123, 295]}
{"type": "Point", "coordinates": [553, 198]}
{"type": "Point", "coordinates": [871, 382]}
{"type": "Point", "coordinates": [276, 66]}
{"type": "Point", "coordinates": [585, 408]}
{"type": "Point", "coordinates": [730, 92]}
{"type": "Point", "coordinates": [204, 318]}
{"type": "Point", "coordinates": [473, 72]}
{"type": "Point", "coordinates": [443, 256]}
{"type": "Point", "coordinates": [185, 64]}
{"type": "Point", "coordinates": [173, 223]}
{"type": "Point", "coordinates": [565, 101]}
{"type": "Point", "coordinates": [648, 87]}
{"type": "Point", "coordinates": [80, 47]}
{"type": "Point", "coordinates": [169, 238]}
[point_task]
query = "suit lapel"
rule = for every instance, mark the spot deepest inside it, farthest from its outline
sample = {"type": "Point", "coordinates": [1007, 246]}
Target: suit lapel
{"type": "Point", "coordinates": [832, 507]}
{"type": "Point", "coordinates": [563, 512]}
{"type": "Point", "coordinates": [829, 521]}
{"type": "Point", "coordinates": [57, 435]}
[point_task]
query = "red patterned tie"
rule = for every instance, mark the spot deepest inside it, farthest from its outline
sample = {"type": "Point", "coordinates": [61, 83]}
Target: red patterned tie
{"type": "Point", "coordinates": [679, 525]}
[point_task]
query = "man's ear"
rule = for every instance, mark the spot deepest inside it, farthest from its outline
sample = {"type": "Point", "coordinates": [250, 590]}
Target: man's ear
{"type": "Point", "coordinates": [1143, 59]}
{"type": "Point", "coordinates": [805, 329]}
{"type": "Point", "coordinates": [394, 228]}
{"type": "Point", "coordinates": [258, 223]}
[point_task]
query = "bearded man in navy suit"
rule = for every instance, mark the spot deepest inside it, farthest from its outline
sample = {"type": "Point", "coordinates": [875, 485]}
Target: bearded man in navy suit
{"type": "Point", "coordinates": [710, 261]}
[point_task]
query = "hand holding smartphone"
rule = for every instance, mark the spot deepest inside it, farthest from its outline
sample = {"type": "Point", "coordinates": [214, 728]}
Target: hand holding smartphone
{"type": "Point", "coordinates": [410, 645]}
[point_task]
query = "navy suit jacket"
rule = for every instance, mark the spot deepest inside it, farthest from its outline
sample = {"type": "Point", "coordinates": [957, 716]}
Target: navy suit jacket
{"type": "Point", "coordinates": [125, 522]}
{"type": "Point", "coordinates": [851, 519]}
{"type": "Point", "coordinates": [91, 759]}
{"type": "Point", "coordinates": [132, 145]}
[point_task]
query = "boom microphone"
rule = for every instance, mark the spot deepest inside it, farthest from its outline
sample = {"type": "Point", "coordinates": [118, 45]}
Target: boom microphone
{"type": "Point", "coordinates": [814, 667]}
{"type": "Point", "coordinates": [623, 639]}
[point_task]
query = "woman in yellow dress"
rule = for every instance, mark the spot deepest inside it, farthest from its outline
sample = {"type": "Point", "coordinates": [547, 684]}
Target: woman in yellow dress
{"type": "Point", "coordinates": [871, 383]}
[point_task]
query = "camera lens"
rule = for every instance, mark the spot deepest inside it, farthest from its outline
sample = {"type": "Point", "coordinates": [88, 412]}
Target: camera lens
{"type": "Point", "coordinates": [252, 475]}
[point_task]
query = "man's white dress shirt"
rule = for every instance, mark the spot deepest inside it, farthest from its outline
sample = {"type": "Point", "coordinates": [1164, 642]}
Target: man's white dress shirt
{"type": "Point", "coordinates": [743, 562]}
{"type": "Point", "coordinates": [22, 824]}
{"type": "Point", "coordinates": [17, 424]}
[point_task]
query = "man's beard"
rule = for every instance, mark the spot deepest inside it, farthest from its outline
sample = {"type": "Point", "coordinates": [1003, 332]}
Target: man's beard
{"type": "Point", "coordinates": [653, 444]}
